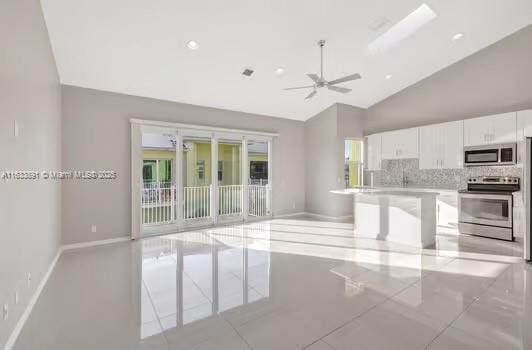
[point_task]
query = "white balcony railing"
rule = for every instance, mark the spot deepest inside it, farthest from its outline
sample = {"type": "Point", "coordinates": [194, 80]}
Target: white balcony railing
{"type": "Point", "coordinates": [159, 202]}
{"type": "Point", "coordinates": [230, 199]}
{"type": "Point", "coordinates": [196, 202]}
{"type": "Point", "coordinates": [259, 200]}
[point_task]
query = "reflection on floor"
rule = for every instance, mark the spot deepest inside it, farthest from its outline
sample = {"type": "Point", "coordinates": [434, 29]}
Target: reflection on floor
{"type": "Point", "coordinates": [285, 284]}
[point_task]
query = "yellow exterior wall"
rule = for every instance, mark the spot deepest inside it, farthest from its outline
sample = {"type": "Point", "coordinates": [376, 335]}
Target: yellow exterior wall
{"type": "Point", "coordinates": [228, 154]}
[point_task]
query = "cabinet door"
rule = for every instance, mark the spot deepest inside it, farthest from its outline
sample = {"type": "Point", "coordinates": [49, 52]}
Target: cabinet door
{"type": "Point", "coordinates": [524, 124]}
{"type": "Point", "coordinates": [374, 151]}
{"type": "Point", "coordinates": [389, 145]}
{"type": "Point", "coordinates": [503, 128]}
{"type": "Point", "coordinates": [408, 143]}
{"type": "Point", "coordinates": [452, 137]}
{"type": "Point", "coordinates": [428, 147]}
{"type": "Point", "coordinates": [476, 132]}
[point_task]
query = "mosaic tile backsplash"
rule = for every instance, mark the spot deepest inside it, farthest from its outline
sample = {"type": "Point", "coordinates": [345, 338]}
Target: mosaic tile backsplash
{"type": "Point", "coordinates": [394, 170]}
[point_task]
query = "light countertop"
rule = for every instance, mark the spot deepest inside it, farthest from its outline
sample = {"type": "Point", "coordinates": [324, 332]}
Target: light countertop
{"type": "Point", "coordinates": [391, 190]}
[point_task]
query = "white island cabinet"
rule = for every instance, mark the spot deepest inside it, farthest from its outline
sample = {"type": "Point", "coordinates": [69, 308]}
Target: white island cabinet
{"type": "Point", "coordinates": [401, 215]}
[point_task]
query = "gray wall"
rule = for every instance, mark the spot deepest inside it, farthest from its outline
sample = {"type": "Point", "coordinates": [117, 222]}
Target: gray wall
{"type": "Point", "coordinates": [494, 80]}
{"type": "Point", "coordinates": [29, 210]}
{"type": "Point", "coordinates": [96, 135]}
{"type": "Point", "coordinates": [325, 134]}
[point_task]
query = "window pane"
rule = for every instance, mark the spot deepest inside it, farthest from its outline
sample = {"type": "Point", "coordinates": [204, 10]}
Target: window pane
{"type": "Point", "coordinates": [353, 163]}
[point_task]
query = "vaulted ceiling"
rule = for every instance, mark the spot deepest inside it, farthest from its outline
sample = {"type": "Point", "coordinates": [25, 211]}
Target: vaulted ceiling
{"type": "Point", "coordinates": [139, 47]}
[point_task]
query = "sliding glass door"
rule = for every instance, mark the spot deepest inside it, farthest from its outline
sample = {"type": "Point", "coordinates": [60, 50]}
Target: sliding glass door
{"type": "Point", "coordinates": [229, 180]}
{"type": "Point", "coordinates": [258, 177]}
{"type": "Point", "coordinates": [158, 187]}
{"type": "Point", "coordinates": [198, 178]}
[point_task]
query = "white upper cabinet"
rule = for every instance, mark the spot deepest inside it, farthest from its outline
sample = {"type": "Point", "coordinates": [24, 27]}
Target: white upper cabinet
{"type": "Point", "coordinates": [400, 144]}
{"type": "Point", "coordinates": [374, 143]}
{"type": "Point", "coordinates": [441, 146]}
{"type": "Point", "coordinates": [524, 124]}
{"type": "Point", "coordinates": [500, 128]}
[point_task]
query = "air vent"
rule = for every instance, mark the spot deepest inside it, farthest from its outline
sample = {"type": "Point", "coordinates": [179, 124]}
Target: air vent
{"type": "Point", "coordinates": [248, 72]}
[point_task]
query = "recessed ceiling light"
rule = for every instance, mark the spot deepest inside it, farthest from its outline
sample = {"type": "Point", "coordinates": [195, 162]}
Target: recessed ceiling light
{"type": "Point", "coordinates": [388, 76]}
{"type": "Point", "coordinates": [279, 71]}
{"type": "Point", "coordinates": [402, 29]}
{"type": "Point", "coordinates": [458, 36]}
{"type": "Point", "coordinates": [192, 45]}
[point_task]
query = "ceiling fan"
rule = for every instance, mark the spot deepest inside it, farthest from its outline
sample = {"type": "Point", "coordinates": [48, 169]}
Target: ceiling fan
{"type": "Point", "coordinates": [320, 82]}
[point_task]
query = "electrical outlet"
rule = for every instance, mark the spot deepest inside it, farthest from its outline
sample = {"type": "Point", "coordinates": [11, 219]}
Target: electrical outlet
{"type": "Point", "coordinates": [293, 205]}
{"type": "Point", "coordinates": [16, 298]}
{"type": "Point", "coordinates": [6, 311]}
{"type": "Point", "coordinates": [93, 228]}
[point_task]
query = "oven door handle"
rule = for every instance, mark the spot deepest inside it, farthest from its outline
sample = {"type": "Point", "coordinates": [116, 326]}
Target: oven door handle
{"type": "Point", "coordinates": [486, 196]}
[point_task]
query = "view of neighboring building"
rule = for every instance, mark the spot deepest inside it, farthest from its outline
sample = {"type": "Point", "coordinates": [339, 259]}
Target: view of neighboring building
{"type": "Point", "coordinates": [159, 183]}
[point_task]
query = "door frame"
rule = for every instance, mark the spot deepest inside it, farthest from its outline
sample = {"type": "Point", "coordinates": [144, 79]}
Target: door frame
{"type": "Point", "coordinates": [138, 126]}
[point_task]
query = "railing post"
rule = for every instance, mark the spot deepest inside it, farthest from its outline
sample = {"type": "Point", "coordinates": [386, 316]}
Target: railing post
{"type": "Point", "coordinates": [214, 179]}
{"type": "Point", "coordinates": [244, 180]}
{"type": "Point", "coordinates": [172, 202]}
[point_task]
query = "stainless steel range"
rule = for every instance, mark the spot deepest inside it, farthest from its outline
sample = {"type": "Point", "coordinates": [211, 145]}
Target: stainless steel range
{"type": "Point", "coordinates": [486, 207]}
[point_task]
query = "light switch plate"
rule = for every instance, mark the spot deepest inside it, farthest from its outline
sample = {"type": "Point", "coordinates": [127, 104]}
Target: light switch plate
{"type": "Point", "coordinates": [93, 228]}
{"type": "Point", "coordinates": [15, 128]}
{"type": "Point", "coordinates": [17, 299]}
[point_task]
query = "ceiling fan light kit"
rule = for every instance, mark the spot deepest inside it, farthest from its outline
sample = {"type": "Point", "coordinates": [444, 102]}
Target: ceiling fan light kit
{"type": "Point", "coordinates": [321, 82]}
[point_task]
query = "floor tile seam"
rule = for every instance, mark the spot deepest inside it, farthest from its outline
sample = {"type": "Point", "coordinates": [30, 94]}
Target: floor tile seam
{"type": "Point", "coordinates": [474, 300]}
{"type": "Point", "coordinates": [237, 332]}
{"type": "Point", "coordinates": [156, 315]}
{"type": "Point", "coordinates": [386, 299]}
{"type": "Point", "coordinates": [248, 321]}
{"type": "Point", "coordinates": [199, 288]}
{"type": "Point", "coordinates": [322, 245]}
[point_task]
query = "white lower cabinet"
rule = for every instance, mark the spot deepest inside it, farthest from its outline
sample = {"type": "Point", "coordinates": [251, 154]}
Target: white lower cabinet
{"type": "Point", "coordinates": [441, 146]}
{"type": "Point", "coordinates": [447, 212]}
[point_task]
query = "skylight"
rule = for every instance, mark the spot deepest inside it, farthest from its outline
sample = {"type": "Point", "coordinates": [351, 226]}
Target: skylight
{"type": "Point", "coordinates": [402, 29]}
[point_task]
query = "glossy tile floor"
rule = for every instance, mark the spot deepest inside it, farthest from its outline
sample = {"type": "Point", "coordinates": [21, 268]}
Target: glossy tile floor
{"type": "Point", "coordinates": [285, 284]}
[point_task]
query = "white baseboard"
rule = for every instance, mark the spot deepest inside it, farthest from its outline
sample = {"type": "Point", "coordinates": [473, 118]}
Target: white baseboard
{"type": "Point", "coordinates": [330, 218]}
{"type": "Point", "coordinates": [22, 320]}
{"type": "Point", "coordinates": [289, 215]}
{"type": "Point", "coordinates": [317, 216]}
{"type": "Point", "coordinates": [95, 243]}
{"type": "Point", "coordinates": [27, 311]}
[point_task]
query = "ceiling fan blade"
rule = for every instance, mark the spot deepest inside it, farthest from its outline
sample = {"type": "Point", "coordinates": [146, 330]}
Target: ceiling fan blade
{"type": "Point", "coordinates": [314, 77]}
{"type": "Point", "coordinates": [311, 95]}
{"type": "Point", "coordinates": [300, 87]}
{"type": "Point", "coordinates": [343, 90]}
{"type": "Point", "coordinates": [346, 78]}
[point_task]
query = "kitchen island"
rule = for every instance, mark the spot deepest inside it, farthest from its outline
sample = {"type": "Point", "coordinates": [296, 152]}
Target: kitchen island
{"type": "Point", "coordinates": [404, 215]}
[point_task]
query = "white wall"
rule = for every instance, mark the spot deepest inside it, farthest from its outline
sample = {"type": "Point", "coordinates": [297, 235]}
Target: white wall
{"type": "Point", "coordinates": [325, 134]}
{"type": "Point", "coordinates": [29, 210]}
{"type": "Point", "coordinates": [96, 135]}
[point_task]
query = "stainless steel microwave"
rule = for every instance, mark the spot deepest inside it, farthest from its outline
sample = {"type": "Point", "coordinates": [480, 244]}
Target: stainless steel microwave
{"type": "Point", "coordinates": [499, 154]}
